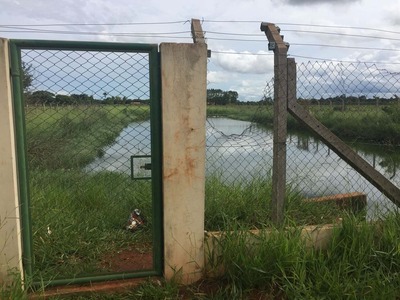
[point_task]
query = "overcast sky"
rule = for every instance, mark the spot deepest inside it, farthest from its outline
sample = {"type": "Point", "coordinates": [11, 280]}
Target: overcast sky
{"type": "Point", "coordinates": [239, 62]}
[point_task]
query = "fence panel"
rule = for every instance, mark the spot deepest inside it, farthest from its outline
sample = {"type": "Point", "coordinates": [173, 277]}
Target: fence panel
{"type": "Point", "coordinates": [359, 103]}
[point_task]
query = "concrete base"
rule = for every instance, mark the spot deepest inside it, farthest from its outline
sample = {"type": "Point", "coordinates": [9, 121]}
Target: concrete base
{"type": "Point", "coordinates": [315, 236]}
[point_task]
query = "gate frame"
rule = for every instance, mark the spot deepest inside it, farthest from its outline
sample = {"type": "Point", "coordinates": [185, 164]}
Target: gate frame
{"type": "Point", "coordinates": [15, 47]}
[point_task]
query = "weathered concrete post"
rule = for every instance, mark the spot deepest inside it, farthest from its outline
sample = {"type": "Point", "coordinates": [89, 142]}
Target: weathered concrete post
{"type": "Point", "coordinates": [280, 49]}
{"type": "Point", "coordinates": [184, 88]}
{"type": "Point", "coordinates": [10, 232]}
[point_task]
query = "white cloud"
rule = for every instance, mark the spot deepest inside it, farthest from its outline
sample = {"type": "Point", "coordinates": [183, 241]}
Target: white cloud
{"type": "Point", "coordinates": [245, 62]}
{"type": "Point", "coordinates": [217, 77]}
{"type": "Point", "coordinates": [252, 89]}
{"type": "Point", "coordinates": [316, 2]}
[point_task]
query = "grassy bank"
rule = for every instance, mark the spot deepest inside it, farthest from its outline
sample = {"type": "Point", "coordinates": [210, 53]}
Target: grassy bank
{"type": "Point", "coordinates": [71, 137]}
{"type": "Point", "coordinates": [356, 122]}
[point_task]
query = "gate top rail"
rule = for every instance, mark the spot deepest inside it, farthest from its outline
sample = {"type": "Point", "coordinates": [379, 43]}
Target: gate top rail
{"type": "Point", "coordinates": [82, 45]}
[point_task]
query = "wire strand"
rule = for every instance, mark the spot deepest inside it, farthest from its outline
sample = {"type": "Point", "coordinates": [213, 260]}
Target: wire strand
{"type": "Point", "coordinates": [97, 24]}
{"type": "Point", "coordinates": [343, 61]}
{"type": "Point", "coordinates": [343, 34]}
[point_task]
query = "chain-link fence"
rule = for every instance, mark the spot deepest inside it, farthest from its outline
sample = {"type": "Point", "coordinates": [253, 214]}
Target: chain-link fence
{"type": "Point", "coordinates": [357, 102]}
{"type": "Point", "coordinates": [88, 141]}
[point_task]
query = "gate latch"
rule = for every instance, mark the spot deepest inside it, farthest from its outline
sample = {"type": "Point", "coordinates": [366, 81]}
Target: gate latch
{"type": "Point", "coordinates": [146, 166]}
{"type": "Point", "coordinates": [140, 169]}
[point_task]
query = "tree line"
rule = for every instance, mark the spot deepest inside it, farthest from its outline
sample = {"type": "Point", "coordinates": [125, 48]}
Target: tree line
{"type": "Point", "coordinates": [220, 97]}
{"type": "Point", "coordinates": [48, 98]}
{"type": "Point", "coordinates": [350, 100]}
{"type": "Point", "coordinates": [214, 97]}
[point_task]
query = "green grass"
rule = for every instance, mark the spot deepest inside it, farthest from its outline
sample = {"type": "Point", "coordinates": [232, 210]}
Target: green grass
{"type": "Point", "coordinates": [78, 218]}
{"type": "Point", "coordinates": [362, 261]}
{"type": "Point", "coordinates": [248, 203]}
{"type": "Point", "coordinates": [240, 112]}
{"type": "Point", "coordinates": [85, 214]}
{"type": "Point", "coordinates": [12, 290]}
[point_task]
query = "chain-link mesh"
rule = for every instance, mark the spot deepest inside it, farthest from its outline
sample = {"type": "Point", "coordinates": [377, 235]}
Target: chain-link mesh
{"type": "Point", "coordinates": [88, 134]}
{"type": "Point", "coordinates": [358, 102]}
{"type": "Point", "coordinates": [239, 162]}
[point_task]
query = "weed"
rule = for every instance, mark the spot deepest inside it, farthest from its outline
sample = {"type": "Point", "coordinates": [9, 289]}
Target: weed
{"type": "Point", "coordinates": [12, 289]}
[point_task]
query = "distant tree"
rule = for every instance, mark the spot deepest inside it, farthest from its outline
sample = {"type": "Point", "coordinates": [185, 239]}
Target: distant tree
{"type": "Point", "coordinates": [27, 76]}
{"type": "Point", "coordinates": [232, 96]}
{"type": "Point", "coordinates": [220, 97]}
{"type": "Point", "coordinates": [41, 97]}
{"type": "Point", "coordinates": [81, 98]}
{"type": "Point", "coordinates": [63, 100]}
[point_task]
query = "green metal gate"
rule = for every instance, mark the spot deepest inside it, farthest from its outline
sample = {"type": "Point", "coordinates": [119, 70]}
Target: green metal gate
{"type": "Point", "coordinates": [88, 124]}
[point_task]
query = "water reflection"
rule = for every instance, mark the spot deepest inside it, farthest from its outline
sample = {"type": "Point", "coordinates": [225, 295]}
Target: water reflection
{"type": "Point", "coordinates": [133, 140]}
{"type": "Point", "coordinates": [238, 150]}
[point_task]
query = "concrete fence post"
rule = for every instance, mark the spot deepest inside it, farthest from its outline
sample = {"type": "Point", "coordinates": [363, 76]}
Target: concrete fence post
{"type": "Point", "coordinates": [280, 49]}
{"type": "Point", "coordinates": [10, 231]}
{"type": "Point", "coordinates": [184, 88]}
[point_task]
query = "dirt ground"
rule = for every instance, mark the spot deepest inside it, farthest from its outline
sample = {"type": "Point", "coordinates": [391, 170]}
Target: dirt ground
{"type": "Point", "coordinates": [129, 259]}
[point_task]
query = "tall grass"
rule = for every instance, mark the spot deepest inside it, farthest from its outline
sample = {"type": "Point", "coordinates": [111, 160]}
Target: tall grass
{"type": "Point", "coordinates": [361, 262]}
{"type": "Point", "coordinates": [76, 225]}
{"type": "Point", "coordinates": [12, 289]}
{"type": "Point", "coordinates": [248, 203]}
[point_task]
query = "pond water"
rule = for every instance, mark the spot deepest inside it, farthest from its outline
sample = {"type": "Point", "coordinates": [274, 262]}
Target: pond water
{"type": "Point", "coordinates": [239, 151]}
{"type": "Point", "coordinates": [134, 140]}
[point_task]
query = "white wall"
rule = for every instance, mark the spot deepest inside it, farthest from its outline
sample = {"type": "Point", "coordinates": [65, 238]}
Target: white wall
{"type": "Point", "coordinates": [10, 238]}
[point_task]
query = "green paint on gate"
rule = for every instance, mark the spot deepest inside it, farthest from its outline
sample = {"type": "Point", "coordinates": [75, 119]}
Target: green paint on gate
{"type": "Point", "coordinates": [16, 46]}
